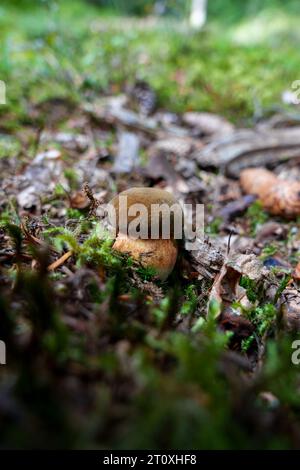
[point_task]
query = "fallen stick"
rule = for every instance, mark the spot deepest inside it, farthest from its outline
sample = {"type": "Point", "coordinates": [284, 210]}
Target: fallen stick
{"type": "Point", "coordinates": [60, 261]}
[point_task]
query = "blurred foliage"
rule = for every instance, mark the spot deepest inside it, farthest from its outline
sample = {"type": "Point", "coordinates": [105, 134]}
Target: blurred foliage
{"type": "Point", "coordinates": [118, 376]}
{"type": "Point", "coordinates": [144, 7]}
{"type": "Point", "coordinates": [227, 10]}
{"type": "Point", "coordinates": [230, 10]}
{"type": "Point", "coordinates": [94, 51]}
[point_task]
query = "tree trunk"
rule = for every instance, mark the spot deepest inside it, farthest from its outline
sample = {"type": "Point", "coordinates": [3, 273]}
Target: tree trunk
{"type": "Point", "coordinates": [198, 14]}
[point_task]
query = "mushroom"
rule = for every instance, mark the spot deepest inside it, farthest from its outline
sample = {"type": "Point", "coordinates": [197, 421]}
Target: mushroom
{"type": "Point", "coordinates": [278, 196]}
{"type": "Point", "coordinates": [151, 248]}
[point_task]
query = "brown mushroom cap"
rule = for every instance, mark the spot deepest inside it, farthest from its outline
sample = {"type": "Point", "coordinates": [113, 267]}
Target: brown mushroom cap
{"type": "Point", "coordinates": [158, 254]}
{"type": "Point", "coordinates": [148, 197]}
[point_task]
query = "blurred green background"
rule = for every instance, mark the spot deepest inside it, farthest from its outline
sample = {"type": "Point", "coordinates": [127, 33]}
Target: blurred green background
{"type": "Point", "coordinates": [238, 65]}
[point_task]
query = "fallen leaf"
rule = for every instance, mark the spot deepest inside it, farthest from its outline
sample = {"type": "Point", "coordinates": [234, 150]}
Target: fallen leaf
{"type": "Point", "coordinates": [208, 123]}
{"type": "Point", "coordinates": [290, 304]}
{"type": "Point", "coordinates": [160, 168]}
{"type": "Point", "coordinates": [128, 153]}
{"type": "Point", "coordinates": [226, 288]}
{"type": "Point", "coordinates": [79, 200]}
{"type": "Point", "coordinates": [39, 178]}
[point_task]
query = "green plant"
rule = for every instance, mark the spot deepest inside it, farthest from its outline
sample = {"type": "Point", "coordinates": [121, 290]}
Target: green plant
{"type": "Point", "coordinates": [267, 251]}
{"type": "Point", "coordinates": [283, 284]}
{"type": "Point", "coordinates": [72, 177]}
{"type": "Point", "coordinates": [264, 320]}
{"type": "Point", "coordinates": [190, 304]}
{"type": "Point", "coordinates": [213, 228]}
{"type": "Point", "coordinates": [256, 216]}
{"type": "Point", "coordinates": [263, 317]}
{"type": "Point", "coordinates": [251, 288]}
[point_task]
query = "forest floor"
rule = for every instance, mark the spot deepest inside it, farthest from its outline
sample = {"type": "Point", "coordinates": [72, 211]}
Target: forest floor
{"type": "Point", "coordinates": [100, 353]}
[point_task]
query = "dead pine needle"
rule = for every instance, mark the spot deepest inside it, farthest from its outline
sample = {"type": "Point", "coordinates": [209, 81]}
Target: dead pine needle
{"type": "Point", "coordinates": [56, 264]}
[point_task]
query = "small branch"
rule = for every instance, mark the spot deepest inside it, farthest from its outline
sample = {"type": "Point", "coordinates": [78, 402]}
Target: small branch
{"type": "Point", "coordinates": [60, 261]}
{"type": "Point", "coordinates": [94, 202]}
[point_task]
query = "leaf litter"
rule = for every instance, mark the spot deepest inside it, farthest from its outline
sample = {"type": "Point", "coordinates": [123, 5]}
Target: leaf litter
{"type": "Point", "coordinates": [107, 314]}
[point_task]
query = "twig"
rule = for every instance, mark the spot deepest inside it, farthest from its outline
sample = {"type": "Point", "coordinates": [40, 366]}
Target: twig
{"type": "Point", "coordinates": [89, 194]}
{"type": "Point", "coordinates": [29, 237]}
{"type": "Point", "coordinates": [228, 242]}
{"type": "Point", "coordinates": [60, 261]}
{"type": "Point", "coordinates": [32, 239]}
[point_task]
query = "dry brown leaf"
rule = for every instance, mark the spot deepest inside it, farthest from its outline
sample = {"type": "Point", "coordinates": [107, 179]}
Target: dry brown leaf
{"type": "Point", "coordinates": [79, 200]}
{"type": "Point", "coordinates": [279, 197]}
{"type": "Point", "coordinates": [160, 167]}
{"type": "Point", "coordinates": [226, 288]}
{"type": "Point", "coordinates": [291, 309]}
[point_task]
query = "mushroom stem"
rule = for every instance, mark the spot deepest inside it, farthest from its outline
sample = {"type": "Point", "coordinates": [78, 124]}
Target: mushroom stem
{"type": "Point", "coordinates": [158, 254]}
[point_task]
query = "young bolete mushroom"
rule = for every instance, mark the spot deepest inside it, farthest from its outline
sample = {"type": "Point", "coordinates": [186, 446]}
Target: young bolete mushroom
{"type": "Point", "coordinates": [147, 221]}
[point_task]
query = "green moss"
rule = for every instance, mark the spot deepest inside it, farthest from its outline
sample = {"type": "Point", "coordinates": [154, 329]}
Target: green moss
{"type": "Point", "coordinates": [146, 273]}
{"type": "Point", "coordinates": [263, 317]}
{"type": "Point", "coordinates": [256, 216]}
{"type": "Point", "coordinates": [213, 228]}
{"type": "Point", "coordinates": [74, 213]}
{"type": "Point", "coordinates": [251, 288]}
{"type": "Point", "coordinates": [267, 251]}
{"type": "Point", "coordinates": [190, 304]}
{"type": "Point", "coordinates": [72, 177]}
{"type": "Point", "coordinates": [210, 71]}
{"type": "Point", "coordinates": [160, 313]}
{"type": "Point", "coordinates": [283, 284]}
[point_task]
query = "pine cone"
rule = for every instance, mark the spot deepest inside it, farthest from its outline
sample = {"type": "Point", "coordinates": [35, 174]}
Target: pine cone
{"type": "Point", "coordinates": [257, 181]}
{"type": "Point", "coordinates": [279, 197]}
{"type": "Point", "coordinates": [144, 97]}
